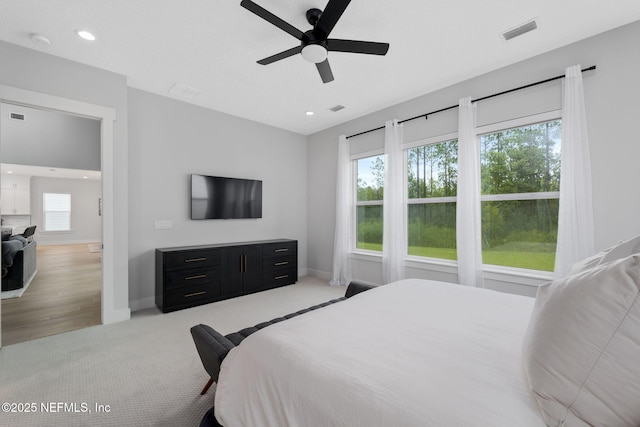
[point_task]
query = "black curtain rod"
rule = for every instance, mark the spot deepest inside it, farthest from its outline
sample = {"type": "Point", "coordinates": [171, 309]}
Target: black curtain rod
{"type": "Point", "coordinates": [426, 115]}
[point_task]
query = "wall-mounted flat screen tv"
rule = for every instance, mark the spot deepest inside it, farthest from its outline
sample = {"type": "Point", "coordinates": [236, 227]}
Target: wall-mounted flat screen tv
{"type": "Point", "coordinates": [216, 197]}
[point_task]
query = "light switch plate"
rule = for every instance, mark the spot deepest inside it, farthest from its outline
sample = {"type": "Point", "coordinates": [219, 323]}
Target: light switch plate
{"type": "Point", "coordinates": [163, 224]}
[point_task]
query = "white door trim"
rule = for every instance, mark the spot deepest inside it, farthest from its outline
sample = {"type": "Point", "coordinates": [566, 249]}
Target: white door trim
{"type": "Point", "coordinates": [106, 116]}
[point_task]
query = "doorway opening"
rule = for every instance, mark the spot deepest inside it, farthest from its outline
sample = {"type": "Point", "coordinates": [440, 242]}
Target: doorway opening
{"type": "Point", "coordinates": [109, 312]}
{"type": "Point", "coordinates": [57, 289]}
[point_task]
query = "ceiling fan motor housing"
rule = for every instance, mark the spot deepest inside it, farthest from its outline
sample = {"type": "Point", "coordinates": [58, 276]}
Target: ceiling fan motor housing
{"type": "Point", "coordinates": [313, 49]}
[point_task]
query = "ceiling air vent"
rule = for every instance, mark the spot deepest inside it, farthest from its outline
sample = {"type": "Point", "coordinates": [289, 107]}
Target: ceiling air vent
{"type": "Point", "coordinates": [520, 29]}
{"type": "Point", "coordinates": [17, 116]}
{"type": "Point", "coordinates": [184, 91]}
{"type": "Point", "coordinates": [336, 108]}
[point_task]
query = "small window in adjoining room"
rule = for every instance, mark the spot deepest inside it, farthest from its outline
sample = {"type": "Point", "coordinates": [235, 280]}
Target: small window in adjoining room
{"type": "Point", "coordinates": [520, 172]}
{"type": "Point", "coordinates": [370, 191]}
{"type": "Point", "coordinates": [432, 181]}
{"type": "Point", "coordinates": [57, 212]}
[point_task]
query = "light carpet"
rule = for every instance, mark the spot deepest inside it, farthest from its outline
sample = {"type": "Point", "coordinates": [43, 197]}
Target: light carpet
{"type": "Point", "coordinates": [144, 371]}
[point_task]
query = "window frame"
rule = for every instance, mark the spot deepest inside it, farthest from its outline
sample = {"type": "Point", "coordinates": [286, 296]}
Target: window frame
{"type": "Point", "coordinates": [427, 200]}
{"type": "Point", "coordinates": [356, 203]}
{"type": "Point", "coordinates": [44, 212]}
{"type": "Point", "coordinates": [504, 126]}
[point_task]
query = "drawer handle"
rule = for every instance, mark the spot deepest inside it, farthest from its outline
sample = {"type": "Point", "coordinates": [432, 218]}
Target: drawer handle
{"type": "Point", "coordinates": [282, 263]}
{"type": "Point", "coordinates": [195, 294]}
{"type": "Point", "coordinates": [281, 277]}
{"type": "Point", "coordinates": [282, 250]}
{"type": "Point", "coordinates": [199, 276]}
{"type": "Point", "coordinates": [195, 259]}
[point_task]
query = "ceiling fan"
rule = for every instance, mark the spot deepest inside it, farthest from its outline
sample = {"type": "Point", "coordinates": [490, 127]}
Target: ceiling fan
{"type": "Point", "coordinates": [315, 44]}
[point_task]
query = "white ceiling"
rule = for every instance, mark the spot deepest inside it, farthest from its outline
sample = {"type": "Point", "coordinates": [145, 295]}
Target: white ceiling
{"type": "Point", "coordinates": [213, 46]}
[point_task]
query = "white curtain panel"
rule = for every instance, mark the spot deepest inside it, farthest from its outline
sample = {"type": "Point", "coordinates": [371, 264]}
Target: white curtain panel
{"type": "Point", "coordinates": [468, 211]}
{"type": "Point", "coordinates": [344, 199]}
{"type": "Point", "coordinates": [394, 240]}
{"type": "Point", "coordinates": [575, 217]}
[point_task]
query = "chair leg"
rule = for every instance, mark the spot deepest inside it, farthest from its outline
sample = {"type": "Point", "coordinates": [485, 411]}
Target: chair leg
{"type": "Point", "coordinates": [204, 390]}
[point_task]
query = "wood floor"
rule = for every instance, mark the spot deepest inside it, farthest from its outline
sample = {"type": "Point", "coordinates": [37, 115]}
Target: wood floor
{"type": "Point", "coordinates": [64, 295]}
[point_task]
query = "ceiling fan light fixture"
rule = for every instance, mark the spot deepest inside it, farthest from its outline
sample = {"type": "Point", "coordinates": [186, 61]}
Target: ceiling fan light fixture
{"type": "Point", "coordinates": [314, 53]}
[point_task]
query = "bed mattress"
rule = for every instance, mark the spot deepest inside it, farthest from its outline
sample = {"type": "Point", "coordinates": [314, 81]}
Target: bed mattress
{"type": "Point", "coordinates": [411, 353]}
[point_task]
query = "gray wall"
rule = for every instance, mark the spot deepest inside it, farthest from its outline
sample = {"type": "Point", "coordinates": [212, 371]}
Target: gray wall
{"type": "Point", "coordinates": [49, 138]}
{"type": "Point", "coordinates": [35, 71]}
{"type": "Point", "coordinates": [86, 224]}
{"type": "Point", "coordinates": [169, 140]}
{"type": "Point", "coordinates": [611, 94]}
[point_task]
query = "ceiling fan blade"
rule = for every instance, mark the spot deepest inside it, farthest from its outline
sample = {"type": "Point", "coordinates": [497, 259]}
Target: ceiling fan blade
{"type": "Point", "coordinates": [273, 19]}
{"type": "Point", "coordinates": [281, 55]}
{"type": "Point", "coordinates": [357, 46]}
{"type": "Point", "coordinates": [325, 71]}
{"type": "Point", "coordinates": [329, 18]}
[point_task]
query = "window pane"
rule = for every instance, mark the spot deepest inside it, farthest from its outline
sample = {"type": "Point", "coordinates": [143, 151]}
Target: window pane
{"type": "Point", "coordinates": [369, 227]}
{"type": "Point", "coordinates": [521, 160]}
{"type": "Point", "coordinates": [433, 170]}
{"type": "Point", "coordinates": [57, 212]}
{"type": "Point", "coordinates": [432, 230]}
{"type": "Point", "coordinates": [520, 233]}
{"type": "Point", "coordinates": [370, 178]}
{"type": "Point", "coordinates": [57, 221]}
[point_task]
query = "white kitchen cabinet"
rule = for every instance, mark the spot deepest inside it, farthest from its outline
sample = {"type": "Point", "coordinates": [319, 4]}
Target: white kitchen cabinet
{"type": "Point", "coordinates": [15, 195]}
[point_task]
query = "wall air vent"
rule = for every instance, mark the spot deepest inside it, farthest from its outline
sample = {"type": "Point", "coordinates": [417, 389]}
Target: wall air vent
{"type": "Point", "coordinates": [336, 108]}
{"type": "Point", "coordinates": [17, 116]}
{"type": "Point", "coordinates": [520, 29]}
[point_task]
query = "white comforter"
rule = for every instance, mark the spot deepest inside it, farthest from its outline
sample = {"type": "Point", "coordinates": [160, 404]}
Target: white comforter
{"type": "Point", "coordinates": [412, 353]}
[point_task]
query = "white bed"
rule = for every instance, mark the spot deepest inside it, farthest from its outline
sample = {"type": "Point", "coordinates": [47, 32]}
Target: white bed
{"type": "Point", "coordinates": [412, 353]}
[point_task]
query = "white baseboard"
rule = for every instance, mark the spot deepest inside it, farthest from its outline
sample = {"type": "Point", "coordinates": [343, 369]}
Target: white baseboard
{"type": "Point", "coordinates": [319, 274]}
{"type": "Point", "coordinates": [116, 316]}
{"type": "Point", "coordinates": [142, 303]}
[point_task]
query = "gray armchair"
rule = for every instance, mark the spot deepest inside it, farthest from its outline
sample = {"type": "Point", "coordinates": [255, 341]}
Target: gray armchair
{"type": "Point", "coordinates": [212, 348]}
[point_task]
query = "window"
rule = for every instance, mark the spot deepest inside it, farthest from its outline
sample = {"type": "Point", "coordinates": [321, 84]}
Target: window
{"type": "Point", "coordinates": [520, 183]}
{"type": "Point", "coordinates": [520, 172]}
{"type": "Point", "coordinates": [370, 189]}
{"type": "Point", "coordinates": [432, 173]}
{"type": "Point", "coordinates": [57, 212]}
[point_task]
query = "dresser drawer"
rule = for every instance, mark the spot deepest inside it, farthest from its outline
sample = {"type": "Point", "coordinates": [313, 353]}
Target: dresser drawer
{"type": "Point", "coordinates": [192, 277]}
{"type": "Point", "coordinates": [279, 263]}
{"type": "Point", "coordinates": [279, 249]}
{"type": "Point", "coordinates": [191, 295]}
{"type": "Point", "coordinates": [191, 259]}
{"type": "Point", "coordinates": [279, 278]}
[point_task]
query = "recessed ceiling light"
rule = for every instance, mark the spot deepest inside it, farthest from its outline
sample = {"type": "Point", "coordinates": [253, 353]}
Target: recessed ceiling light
{"type": "Point", "coordinates": [9, 171]}
{"type": "Point", "coordinates": [309, 113]}
{"type": "Point", "coordinates": [85, 177]}
{"type": "Point", "coordinates": [86, 35]}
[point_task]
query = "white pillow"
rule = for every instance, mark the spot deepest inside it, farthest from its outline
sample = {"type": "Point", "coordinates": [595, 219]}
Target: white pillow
{"type": "Point", "coordinates": [581, 350]}
{"type": "Point", "coordinates": [621, 250]}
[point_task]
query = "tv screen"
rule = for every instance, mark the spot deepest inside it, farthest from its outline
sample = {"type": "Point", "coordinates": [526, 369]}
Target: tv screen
{"type": "Point", "coordinates": [215, 197]}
